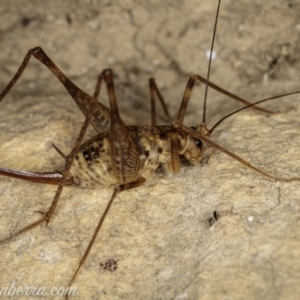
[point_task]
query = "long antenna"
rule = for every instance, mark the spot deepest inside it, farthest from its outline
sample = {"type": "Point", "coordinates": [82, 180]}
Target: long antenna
{"type": "Point", "coordinates": [209, 132]}
{"type": "Point", "coordinates": [209, 65]}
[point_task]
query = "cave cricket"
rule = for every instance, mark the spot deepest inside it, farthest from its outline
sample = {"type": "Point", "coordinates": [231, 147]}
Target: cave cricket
{"type": "Point", "coordinates": [121, 156]}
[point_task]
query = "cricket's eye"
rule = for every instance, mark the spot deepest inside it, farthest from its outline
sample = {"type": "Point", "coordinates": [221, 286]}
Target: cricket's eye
{"type": "Point", "coordinates": [194, 150]}
{"type": "Point", "coordinates": [197, 142]}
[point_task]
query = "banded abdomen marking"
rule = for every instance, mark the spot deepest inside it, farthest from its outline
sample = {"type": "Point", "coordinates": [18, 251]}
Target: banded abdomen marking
{"type": "Point", "coordinates": [92, 165]}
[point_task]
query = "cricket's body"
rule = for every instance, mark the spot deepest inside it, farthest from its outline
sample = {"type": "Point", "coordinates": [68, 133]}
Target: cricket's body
{"type": "Point", "coordinates": [93, 166]}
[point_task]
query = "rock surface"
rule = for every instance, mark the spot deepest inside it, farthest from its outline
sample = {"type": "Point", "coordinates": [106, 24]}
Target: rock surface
{"type": "Point", "coordinates": [159, 235]}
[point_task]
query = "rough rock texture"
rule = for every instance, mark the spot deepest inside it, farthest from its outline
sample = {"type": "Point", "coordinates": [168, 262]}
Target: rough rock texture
{"type": "Point", "coordinates": [159, 234]}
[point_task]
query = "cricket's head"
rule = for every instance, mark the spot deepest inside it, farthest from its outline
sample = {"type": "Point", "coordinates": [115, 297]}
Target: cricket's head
{"type": "Point", "coordinates": [194, 148]}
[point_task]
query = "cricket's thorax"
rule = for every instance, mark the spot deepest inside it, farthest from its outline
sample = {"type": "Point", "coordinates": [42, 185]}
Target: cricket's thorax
{"type": "Point", "coordinates": [93, 166]}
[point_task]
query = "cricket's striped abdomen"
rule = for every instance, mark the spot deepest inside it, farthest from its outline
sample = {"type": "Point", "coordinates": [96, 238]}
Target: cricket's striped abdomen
{"type": "Point", "coordinates": [92, 165]}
